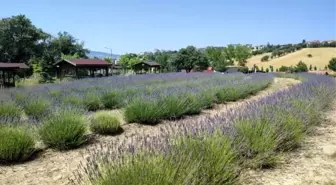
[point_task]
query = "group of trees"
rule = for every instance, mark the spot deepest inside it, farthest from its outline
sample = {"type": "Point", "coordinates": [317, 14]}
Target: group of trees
{"type": "Point", "coordinates": [191, 58]}
{"type": "Point", "coordinates": [279, 50]}
{"type": "Point", "coordinates": [21, 41]}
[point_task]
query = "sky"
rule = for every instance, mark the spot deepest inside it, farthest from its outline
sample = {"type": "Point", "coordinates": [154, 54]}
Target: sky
{"type": "Point", "coordinates": [144, 25]}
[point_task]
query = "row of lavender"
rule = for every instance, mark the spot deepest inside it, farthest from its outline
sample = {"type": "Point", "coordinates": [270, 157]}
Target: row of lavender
{"type": "Point", "coordinates": [117, 92]}
{"type": "Point", "coordinates": [58, 114]}
{"type": "Point", "coordinates": [216, 149]}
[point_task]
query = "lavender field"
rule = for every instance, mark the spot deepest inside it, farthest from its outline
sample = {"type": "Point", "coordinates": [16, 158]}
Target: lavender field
{"type": "Point", "coordinates": [213, 150]}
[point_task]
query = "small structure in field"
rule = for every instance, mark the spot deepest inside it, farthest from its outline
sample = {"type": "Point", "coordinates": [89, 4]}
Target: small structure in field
{"type": "Point", "coordinates": [81, 67]}
{"type": "Point", "coordinates": [146, 67]}
{"type": "Point", "coordinates": [208, 70]}
{"type": "Point", "coordinates": [232, 69]}
{"type": "Point", "coordinates": [8, 72]}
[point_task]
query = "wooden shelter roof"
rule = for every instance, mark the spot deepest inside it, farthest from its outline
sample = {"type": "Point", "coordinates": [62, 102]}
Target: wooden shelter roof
{"type": "Point", "coordinates": [149, 63]}
{"type": "Point", "coordinates": [4, 65]}
{"type": "Point", "coordinates": [86, 62]}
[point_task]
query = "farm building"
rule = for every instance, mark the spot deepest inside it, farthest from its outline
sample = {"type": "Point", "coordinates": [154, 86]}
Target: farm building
{"type": "Point", "coordinates": [82, 67]}
{"type": "Point", "coordinates": [146, 67]}
{"type": "Point", "coordinates": [8, 72]}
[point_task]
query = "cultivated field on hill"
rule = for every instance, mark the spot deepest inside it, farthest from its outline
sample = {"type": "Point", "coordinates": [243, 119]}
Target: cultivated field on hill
{"type": "Point", "coordinates": [320, 58]}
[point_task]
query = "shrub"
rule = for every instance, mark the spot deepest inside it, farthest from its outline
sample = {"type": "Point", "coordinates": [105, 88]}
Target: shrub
{"type": "Point", "coordinates": [243, 69]}
{"type": "Point", "coordinates": [112, 100]}
{"type": "Point", "coordinates": [309, 55]}
{"type": "Point", "coordinates": [283, 69]}
{"type": "Point", "coordinates": [207, 99]}
{"type": "Point", "coordinates": [144, 111]}
{"type": "Point", "coordinates": [301, 67]}
{"type": "Point", "coordinates": [231, 94]}
{"type": "Point", "coordinates": [37, 108]}
{"type": "Point", "coordinates": [310, 67]}
{"type": "Point", "coordinates": [64, 130]}
{"type": "Point", "coordinates": [257, 142]}
{"type": "Point", "coordinates": [190, 161]}
{"type": "Point", "coordinates": [9, 111]}
{"type": "Point", "coordinates": [332, 64]}
{"type": "Point", "coordinates": [92, 101]}
{"type": "Point", "coordinates": [174, 107]}
{"type": "Point", "coordinates": [265, 58]}
{"type": "Point", "coordinates": [315, 68]}
{"type": "Point", "coordinates": [73, 100]}
{"type": "Point", "coordinates": [267, 70]}
{"type": "Point", "coordinates": [16, 144]}
{"type": "Point", "coordinates": [194, 105]}
{"type": "Point", "coordinates": [104, 123]}
{"type": "Point", "coordinates": [206, 160]}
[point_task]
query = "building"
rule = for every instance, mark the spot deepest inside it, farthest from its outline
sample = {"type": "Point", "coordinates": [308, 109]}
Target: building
{"type": "Point", "coordinates": [82, 67]}
{"type": "Point", "coordinates": [8, 72]}
{"type": "Point", "coordinates": [146, 67]}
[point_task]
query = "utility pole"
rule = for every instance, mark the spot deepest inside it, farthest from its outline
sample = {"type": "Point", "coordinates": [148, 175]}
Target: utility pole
{"type": "Point", "coordinates": [111, 59]}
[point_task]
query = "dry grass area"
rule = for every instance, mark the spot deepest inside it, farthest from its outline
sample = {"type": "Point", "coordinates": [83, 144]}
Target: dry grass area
{"type": "Point", "coordinates": [55, 168]}
{"type": "Point", "coordinates": [313, 164]}
{"type": "Point", "coordinates": [321, 58]}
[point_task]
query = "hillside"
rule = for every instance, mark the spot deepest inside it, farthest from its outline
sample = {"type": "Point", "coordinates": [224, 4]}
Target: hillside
{"type": "Point", "coordinates": [321, 57]}
{"type": "Point", "coordinates": [101, 55]}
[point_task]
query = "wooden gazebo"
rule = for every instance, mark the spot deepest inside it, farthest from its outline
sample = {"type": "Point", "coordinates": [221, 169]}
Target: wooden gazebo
{"type": "Point", "coordinates": [81, 67]}
{"type": "Point", "coordinates": [8, 72]}
{"type": "Point", "coordinates": [146, 67]}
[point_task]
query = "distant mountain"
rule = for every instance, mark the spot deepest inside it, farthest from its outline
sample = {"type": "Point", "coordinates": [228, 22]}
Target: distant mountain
{"type": "Point", "coordinates": [102, 55]}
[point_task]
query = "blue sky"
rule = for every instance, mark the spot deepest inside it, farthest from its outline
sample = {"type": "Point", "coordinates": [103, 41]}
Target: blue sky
{"type": "Point", "coordinates": [145, 25]}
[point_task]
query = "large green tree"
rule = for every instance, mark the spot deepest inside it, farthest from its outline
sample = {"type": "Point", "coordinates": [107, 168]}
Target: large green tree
{"type": "Point", "coordinates": [190, 58]}
{"type": "Point", "coordinates": [242, 53]}
{"type": "Point", "coordinates": [219, 58]}
{"type": "Point", "coordinates": [20, 40]}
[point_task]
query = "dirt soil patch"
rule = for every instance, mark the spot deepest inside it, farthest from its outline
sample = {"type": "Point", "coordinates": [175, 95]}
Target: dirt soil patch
{"type": "Point", "coordinates": [54, 167]}
{"type": "Point", "coordinates": [314, 163]}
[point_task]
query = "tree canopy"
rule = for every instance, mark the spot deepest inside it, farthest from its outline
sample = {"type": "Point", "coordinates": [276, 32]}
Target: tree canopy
{"type": "Point", "coordinates": [332, 64]}
{"type": "Point", "coordinates": [189, 58]}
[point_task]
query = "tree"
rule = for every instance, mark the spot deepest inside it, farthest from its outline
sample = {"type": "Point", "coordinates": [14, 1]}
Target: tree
{"type": "Point", "coordinates": [326, 67]}
{"type": "Point", "coordinates": [127, 60]}
{"type": "Point", "coordinates": [242, 53]}
{"type": "Point", "coordinates": [108, 59]}
{"type": "Point", "coordinates": [332, 64]}
{"type": "Point", "coordinates": [271, 69]}
{"type": "Point", "coordinates": [262, 69]}
{"type": "Point", "coordinates": [310, 67]}
{"type": "Point", "coordinates": [68, 45]}
{"type": "Point", "coordinates": [283, 69]}
{"type": "Point", "coordinates": [315, 68]}
{"type": "Point", "coordinates": [74, 56]}
{"type": "Point", "coordinates": [218, 58]}
{"type": "Point", "coordinates": [301, 67]}
{"type": "Point", "coordinates": [277, 70]}
{"type": "Point", "coordinates": [265, 58]}
{"type": "Point", "coordinates": [267, 70]}
{"type": "Point", "coordinates": [20, 40]}
{"type": "Point", "coordinates": [189, 58]}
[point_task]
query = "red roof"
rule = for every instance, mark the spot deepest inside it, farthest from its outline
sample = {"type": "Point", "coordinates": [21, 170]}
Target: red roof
{"type": "Point", "coordinates": [86, 62]}
{"type": "Point", "coordinates": [13, 65]}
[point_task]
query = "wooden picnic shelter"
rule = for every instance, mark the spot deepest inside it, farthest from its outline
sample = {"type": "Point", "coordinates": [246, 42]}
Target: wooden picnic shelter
{"type": "Point", "coordinates": [8, 72]}
{"type": "Point", "coordinates": [81, 67]}
{"type": "Point", "coordinates": [146, 67]}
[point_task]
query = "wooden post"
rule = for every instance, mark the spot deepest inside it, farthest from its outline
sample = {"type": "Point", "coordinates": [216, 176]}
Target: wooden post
{"type": "Point", "coordinates": [76, 72]}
